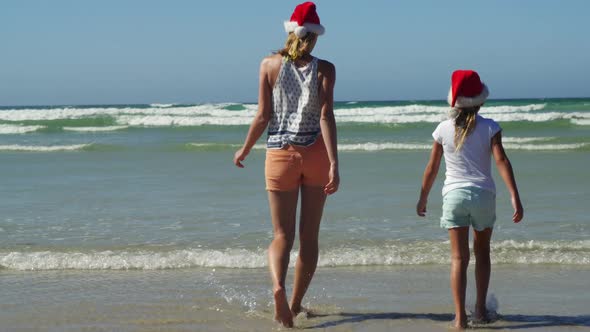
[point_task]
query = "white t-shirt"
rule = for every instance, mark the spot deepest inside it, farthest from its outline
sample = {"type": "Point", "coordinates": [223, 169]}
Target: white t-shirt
{"type": "Point", "coordinates": [471, 165]}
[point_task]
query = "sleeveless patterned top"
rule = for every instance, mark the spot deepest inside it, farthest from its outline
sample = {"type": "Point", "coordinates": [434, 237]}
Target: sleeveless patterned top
{"type": "Point", "coordinates": [296, 106]}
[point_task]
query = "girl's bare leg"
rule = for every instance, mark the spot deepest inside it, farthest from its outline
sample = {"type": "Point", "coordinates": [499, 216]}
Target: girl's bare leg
{"type": "Point", "coordinates": [481, 248]}
{"type": "Point", "coordinates": [459, 261]}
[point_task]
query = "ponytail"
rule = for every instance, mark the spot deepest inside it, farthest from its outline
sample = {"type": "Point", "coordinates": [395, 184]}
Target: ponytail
{"type": "Point", "coordinates": [296, 47]}
{"type": "Point", "coordinates": [464, 125]}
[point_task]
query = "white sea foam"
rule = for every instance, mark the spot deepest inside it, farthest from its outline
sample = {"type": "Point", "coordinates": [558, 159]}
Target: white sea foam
{"type": "Point", "coordinates": [213, 145]}
{"type": "Point", "coordinates": [401, 253]}
{"type": "Point", "coordinates": [510, 143]}
{"type": "Point", "coordinates": [216, 110]}
{"type": "Point", "coordinates": [382, 117]}
{"type": "Point", "coordinates": [581, 122]}
{"type": "Point", "coordinates": [383, 146]}
{"type": "Point", "coordinates": [392, 110]}
{"type": "Point", "coordinates": [513, 109]}
{"type": "Point", "coordinates": [167, 120]}
{"type": "Point", "coordinates": [95, 129]}
{"type": "Point", "coordinates": [161, 105]}
{"type": "Point", "coordinates": [545, 147]}
{"type": "Point", "coordinates": [37, 148]}
{"type": "Point", "coordinates": [217, 114]}
{"type": "Point", "coordinates": [16, 129]}
{"type": "Point", "coordinates": [525, 139]}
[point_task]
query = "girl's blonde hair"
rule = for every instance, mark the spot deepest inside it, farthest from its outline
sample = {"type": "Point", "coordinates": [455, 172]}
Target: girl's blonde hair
{"type": "Point", "coordinates": [464, 124]}
{"type": "Point", "coordinates": [296, 47]}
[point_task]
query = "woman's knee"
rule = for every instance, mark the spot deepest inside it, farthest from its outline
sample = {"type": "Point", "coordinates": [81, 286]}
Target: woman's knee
{"type": "Point", "coordinates": [308, 246]}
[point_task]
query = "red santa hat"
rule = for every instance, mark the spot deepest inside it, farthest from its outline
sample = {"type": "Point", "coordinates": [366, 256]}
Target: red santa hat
{"type": "Point", "coordinates": [467, 90]}
{"type": "Point", "coordinates": [304, 19]}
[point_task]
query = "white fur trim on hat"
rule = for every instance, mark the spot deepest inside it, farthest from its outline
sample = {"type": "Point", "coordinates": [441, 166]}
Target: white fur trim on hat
{"type": "Point", "coordinates": [464, 102]}
{"type": "Point", "coordinates": [301, 31]}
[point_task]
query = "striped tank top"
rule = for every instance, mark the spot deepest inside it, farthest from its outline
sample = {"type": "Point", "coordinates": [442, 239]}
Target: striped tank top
{"type": "Point", "coordinates": [295, 106]}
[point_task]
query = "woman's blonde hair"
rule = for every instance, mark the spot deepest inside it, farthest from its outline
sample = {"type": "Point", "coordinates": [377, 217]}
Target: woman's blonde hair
{"type": "Point", "coordinates": [464, 124]}
{"type": "Point", "coordinates": [296, 47]}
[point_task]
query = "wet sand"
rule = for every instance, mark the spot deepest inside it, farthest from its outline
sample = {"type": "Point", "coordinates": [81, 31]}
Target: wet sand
{"type": "Point", "coordinates": [530, 298]}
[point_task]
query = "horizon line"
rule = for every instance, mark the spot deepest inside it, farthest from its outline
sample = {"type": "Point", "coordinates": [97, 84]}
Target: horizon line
{"type": "Point", "coordinates": [252, 103]}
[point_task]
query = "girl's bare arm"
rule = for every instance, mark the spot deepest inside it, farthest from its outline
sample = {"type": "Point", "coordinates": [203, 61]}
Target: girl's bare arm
{"type": "Point", "coordinates": [430, 174]}
{"type": "Point", "coordinates": [507, 174]}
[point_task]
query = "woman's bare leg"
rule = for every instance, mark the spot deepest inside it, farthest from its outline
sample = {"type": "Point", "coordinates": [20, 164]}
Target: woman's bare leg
{"type": "Point", "coordinates": [312, 207]}
{"type": "Point", "coordinates": [283, 210]}
{"type": "Point", "coordinates": [481, 248]}
{"type": "Point", "coordinates": [459, 262]}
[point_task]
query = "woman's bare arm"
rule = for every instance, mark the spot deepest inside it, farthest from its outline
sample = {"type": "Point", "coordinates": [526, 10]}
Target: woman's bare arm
{"type": "Point", "coordinates": [327, 77]}
{"type": "Point", "coordinates": [268, 71]}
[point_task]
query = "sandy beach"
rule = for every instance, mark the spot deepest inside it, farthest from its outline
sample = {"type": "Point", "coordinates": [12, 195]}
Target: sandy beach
{"type": "Point", "coordinates": [549, 298]}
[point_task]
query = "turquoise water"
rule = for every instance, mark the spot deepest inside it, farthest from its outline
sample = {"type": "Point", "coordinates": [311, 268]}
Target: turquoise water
{"type": "Point", "coordinates": [153, 186]}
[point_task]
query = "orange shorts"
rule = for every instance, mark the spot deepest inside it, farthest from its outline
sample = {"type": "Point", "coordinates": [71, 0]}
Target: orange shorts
{"type": "Point", "coordinates": [288, 168]}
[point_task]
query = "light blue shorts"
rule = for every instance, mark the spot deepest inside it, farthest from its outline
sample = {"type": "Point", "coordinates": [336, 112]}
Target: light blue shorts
{"type": "Point", "coordinates": [467, 206]}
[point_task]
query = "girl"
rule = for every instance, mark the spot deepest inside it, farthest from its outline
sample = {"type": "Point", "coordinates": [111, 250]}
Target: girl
{"type": "Point", "coordinates": [296, 96]}
{"type": "Point", "coordinates": [467, 140]}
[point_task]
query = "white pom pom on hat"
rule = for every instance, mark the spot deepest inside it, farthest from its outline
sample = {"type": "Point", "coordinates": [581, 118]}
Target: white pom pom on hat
{"type": "Point", "coordinates": [304, 20]}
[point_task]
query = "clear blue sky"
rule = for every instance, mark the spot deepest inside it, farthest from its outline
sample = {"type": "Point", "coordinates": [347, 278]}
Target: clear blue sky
{"type": "Point", "coordinates": [144, 51]}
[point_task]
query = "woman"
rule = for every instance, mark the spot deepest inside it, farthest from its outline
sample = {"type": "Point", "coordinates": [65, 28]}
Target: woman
{"type": "Point", "coordinates": [468, 141]}
{"type": "Point", "coordinates": [295, 101]}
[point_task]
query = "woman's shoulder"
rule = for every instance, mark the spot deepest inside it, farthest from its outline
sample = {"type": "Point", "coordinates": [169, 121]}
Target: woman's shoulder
{"type": "Point", "coordinates": [271, 63]}
{"type": "Point", "coordinates": [326, 65]}
{"type": "Point", "coordinates": [326, 68]}
{"type": "Point", "coordinates": [272, 60]}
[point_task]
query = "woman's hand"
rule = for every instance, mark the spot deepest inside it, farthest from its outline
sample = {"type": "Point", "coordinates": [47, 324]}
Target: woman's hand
{"type": "Point", "coordinates": [421, 207]}
{"type": "Point", "coordinates": [334, 182]}
{"type": "Point", "coordinates": [239, 156]}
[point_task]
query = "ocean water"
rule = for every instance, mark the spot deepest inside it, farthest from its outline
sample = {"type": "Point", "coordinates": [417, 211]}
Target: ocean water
{"type": "Point", "coordinates": [115, 191]}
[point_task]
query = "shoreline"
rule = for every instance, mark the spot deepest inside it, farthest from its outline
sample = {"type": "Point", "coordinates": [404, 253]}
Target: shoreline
{"type": "Point", "coordinates": [409, 298]}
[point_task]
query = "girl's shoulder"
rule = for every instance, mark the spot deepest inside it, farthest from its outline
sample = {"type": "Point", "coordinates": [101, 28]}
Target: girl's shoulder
{"type": "Point", "coordinates": [444, 128]}
{"type": "Point", "coordinates": [487, 121]}
{"type": "Point", "coordinates": [449, 123]}
{"type": "Point", "coordinates": [481, 118]}
{"type": "Point", "coordinates": [487, 125]}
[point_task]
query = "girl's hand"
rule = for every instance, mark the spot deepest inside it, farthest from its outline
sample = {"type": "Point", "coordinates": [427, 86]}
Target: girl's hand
{"type": "Point", "coordinates": [334, 182]}
{"type": "Point", "coordinates": [239, 156]}
{"type": "Point", "coordinates": [421, 208]}
{"type": "Point", "coordinates": [518, 209]}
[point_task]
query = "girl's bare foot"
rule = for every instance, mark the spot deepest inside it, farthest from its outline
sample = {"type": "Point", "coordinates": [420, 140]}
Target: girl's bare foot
{"type": "Point", "coordinates": [460, 324]}
{"type": "Point", "coordinates": [483, 316]}
{"type": "Point", "coordinates": [283, 313]}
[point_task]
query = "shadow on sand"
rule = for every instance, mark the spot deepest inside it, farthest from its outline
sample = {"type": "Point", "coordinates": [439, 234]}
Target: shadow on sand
{"type": "Point", "coordinates": [504, 321]}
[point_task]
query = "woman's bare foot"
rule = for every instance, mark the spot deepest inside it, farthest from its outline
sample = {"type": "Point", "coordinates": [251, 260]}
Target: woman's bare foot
{"type": "Point", "coordinates": [296, 310]}
{"type": "Point", "coordinates": [283, 313]}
